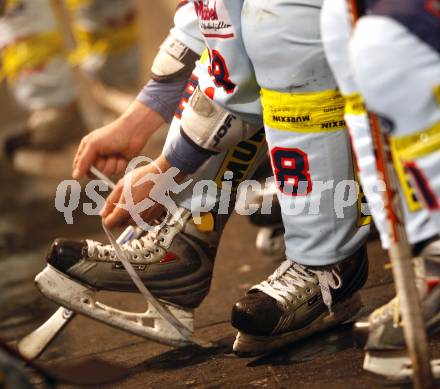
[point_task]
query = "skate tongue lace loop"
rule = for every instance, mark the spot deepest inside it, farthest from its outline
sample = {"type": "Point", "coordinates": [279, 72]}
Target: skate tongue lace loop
{"type": "Point", "coordinates": [145, 245]}
{"type": "Point", "coordinates": [287, 280]}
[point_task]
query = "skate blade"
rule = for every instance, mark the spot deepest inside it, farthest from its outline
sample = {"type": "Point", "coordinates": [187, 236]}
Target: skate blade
{"type": "Point", "coordinates": [81, 299]}
{"type": "Point", "coordinates": [246, 345]}
{"type": "Point", "coordinates": [394, 365]}
{"type": "Point", "coordinates": [269, 244]}
{"type": "Point", "coordinates": [33, 344]}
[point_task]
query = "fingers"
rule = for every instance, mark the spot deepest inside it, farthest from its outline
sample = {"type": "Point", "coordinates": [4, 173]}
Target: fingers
{"type": "Point", "coordinates": [121, 166]}
{"type": "Point", "coordinates": [110, 166]}
{"type": "Point", "coordinates": [84, 160]}
{"type": "Point", "coordinates": [103, 149]}
{"type": "Point", "coordinates": [112, 199]}
{"type": "Point", "coordinates": [113, 215]}
{"type": "Point", "coordinates": [100, 163]}
{"type": "Point", "coordinates": [80, 150]}
{"type": "Point", "coordinates": [117, 218]}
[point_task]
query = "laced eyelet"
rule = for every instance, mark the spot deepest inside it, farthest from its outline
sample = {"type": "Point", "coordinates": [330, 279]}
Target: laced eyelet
{"type": "Point", "coordinates": [100, 256]}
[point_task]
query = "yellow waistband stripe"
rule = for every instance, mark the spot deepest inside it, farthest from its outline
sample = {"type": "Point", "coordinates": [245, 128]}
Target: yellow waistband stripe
{"type": "Point", "coordinates": [303, 112]}
{"type": "Point", "coordinates": [354, 105]}
{"type": "Point", "coordinates": [417, 145]}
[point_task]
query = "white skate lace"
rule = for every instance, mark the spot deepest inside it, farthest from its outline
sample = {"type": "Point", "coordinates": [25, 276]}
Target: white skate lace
{"type": "Point", "coordinates": [160, 308]}
{"type": "Point", "coordinates": [290, 278]}
{"type": "Point", "coordinates": [139, 249]}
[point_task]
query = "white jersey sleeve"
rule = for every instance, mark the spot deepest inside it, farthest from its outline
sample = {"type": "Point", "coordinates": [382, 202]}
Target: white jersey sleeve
{"type": "Point", "coordinates": [186, 27]}
{"type": "Point", "coordinates": [225, 74]}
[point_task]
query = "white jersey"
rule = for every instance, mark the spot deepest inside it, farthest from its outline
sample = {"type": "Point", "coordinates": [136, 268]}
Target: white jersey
{"type": "Point", "coordinates": [227, 75]}
{"type": "Point", "coordinates": [405, 90]}
{"type": "Point", "coordinates": [302, 116]}
{"type": "Point", "coordinates": [336, 31]}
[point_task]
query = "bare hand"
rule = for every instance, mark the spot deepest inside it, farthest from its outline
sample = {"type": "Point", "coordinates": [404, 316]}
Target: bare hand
{"type": "Point", "coordinates": [114, 215]}
{"type": "Point", "coordinates": [111, 147]}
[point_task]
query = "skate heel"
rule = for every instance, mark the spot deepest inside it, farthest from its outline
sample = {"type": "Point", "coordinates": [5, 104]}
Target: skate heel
{"type": "Point", "coordinates": [246, 345]}
{"type": "Point", "coordinates": [79, 298]}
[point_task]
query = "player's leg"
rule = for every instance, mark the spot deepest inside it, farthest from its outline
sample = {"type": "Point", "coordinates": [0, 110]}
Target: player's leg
{"type": "Point", "coordinates": [303, 115]}
{"type": "Point", "coordinates": [336, 33]}
{"type": "Point", "coordinates": [399, 83]}
{"type": "Point", "coordinates": [406, 97]}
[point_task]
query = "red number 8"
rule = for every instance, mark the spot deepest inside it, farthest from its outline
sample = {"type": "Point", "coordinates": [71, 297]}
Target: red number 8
{"type": "Point", "coordinates": [291, 171]}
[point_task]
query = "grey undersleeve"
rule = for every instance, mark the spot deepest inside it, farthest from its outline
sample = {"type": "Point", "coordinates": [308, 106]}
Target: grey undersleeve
{"type": "Point", "coordinates": [162, 97]}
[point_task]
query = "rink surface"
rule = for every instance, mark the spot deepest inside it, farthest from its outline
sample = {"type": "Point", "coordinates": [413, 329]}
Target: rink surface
{"type": "Point", "coordinates": [29, 223]}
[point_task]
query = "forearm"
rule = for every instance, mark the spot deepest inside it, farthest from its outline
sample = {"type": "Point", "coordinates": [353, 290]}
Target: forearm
{"type": "Point", "coordinates": [142, 119]}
